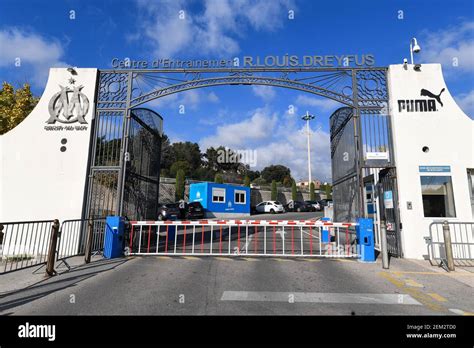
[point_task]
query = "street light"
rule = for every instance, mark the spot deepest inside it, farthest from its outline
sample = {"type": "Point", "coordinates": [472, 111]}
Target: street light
{"type": "Point", "coordinates": [307, 118]}
{"type": "Point", "coordinates": [414, 48]}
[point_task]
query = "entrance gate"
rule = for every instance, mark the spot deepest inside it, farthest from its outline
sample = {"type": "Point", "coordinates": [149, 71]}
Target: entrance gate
{"type": "Point", "coordinates": [362, 128]}
{"type": "Point", "coordinates": [244, 238]}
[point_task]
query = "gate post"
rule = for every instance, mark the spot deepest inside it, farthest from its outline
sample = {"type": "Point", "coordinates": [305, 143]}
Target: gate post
{"type": "Point", "coordinates": [448, 247]}
{"type": "Point", "coordinates": [383, 242]}
{"type": "Point", "coordinates": [365, 239]}
{"type": "Point", "coordinates": [90, 233]}
{"type": "Point", "coordinates": [53, 241]}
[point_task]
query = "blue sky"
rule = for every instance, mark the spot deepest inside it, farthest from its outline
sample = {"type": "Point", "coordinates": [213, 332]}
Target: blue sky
{"type": "Point", "coordinates": [42, 34]}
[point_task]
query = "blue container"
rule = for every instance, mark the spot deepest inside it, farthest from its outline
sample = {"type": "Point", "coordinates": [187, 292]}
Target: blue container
{"type": "Point", "coordinates": [113, 239]}
{"type": "Point", "coordinates": [325, 237]}
{"type": "Point", "coordinates": [365, 239]}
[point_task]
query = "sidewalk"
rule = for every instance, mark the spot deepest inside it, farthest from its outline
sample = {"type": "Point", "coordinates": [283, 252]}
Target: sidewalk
{"type": "Point", "coordinates": [24, 278]}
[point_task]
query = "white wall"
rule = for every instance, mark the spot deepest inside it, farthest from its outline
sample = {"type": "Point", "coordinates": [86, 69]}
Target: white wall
{"type": "Point", "coordinates": [449, 134]}
{"type": "Point", "coordinates": [37, 180]}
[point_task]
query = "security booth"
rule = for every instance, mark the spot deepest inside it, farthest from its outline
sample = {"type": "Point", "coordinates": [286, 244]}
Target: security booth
{"type": "Point", "coordinates": [221, 200]}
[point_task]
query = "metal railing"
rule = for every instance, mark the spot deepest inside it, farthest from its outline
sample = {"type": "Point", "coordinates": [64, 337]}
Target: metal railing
{"type": "Point", "coordinates": [73, 234]}
{"type": "Point", "coordinates": [243, 238]}
{"type": "Point", "coordinates": [24, 244]}
{"type": "Point", "coordinates": [462, 241]}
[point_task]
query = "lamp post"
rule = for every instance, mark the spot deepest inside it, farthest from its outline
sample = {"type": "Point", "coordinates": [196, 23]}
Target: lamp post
{"type": "Point", "coordinates": [307, 118]}
{"type": "Point", "coordinates": [414, 48]}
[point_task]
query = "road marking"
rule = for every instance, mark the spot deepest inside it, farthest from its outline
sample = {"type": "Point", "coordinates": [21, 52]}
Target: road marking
{"type": "Point", "coordinates": [313, 297]}
{"type": "Point", "coordinates": [249, 258]}
{"type": "Point", "coordinates": [411, 282]}
{"type": "Point", "coordinates": [437, 273]}
{"type": "Point", "coordinates": [283, 260]}
{"type": "Point", "coordinates": [460, 311]}
{"type": "Point", "coordinates": [425, 299]}
{"type": "Point", "coordinates": [223, 258]}
{"type": "Point", "coordinates": [163, 257]}
{"type": "Point", "coordinates": [437, 297]}
{"type": "Point", "coordinates": [191, 258]}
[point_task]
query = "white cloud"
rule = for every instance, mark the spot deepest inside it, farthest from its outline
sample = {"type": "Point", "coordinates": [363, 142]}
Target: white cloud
{"type": "Point", "coordinates": [466, 103]}
{"type": "Point", "coordinates": [37, 54]}
{"type": "Point", "coordinates": [278, 139]}
{"type": "Point", "coordinates": [448, 44]}
{"type": "Point", "coordinates": [247, 132]}
{"type": "Point", "coordinates": [267, 93]}
{"type": "Point", "coordinates": [214, 30]}
{"type": "Point", "coordinates": [189, 99]}
{"type": "Point", "coordinates": [322, 104]}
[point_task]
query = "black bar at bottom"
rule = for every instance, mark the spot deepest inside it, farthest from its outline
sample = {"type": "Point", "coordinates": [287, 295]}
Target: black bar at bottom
{"type": "Point", "coordinates": [215, 330]}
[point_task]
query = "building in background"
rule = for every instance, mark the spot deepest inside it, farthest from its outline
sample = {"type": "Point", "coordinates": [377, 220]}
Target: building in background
{"type": "Point", "coordinates": [305, 184]}
{"type": "Point", "coordinates": [221, 200]}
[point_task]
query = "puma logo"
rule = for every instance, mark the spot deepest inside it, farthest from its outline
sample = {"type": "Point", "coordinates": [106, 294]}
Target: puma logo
{"type": "Point", "coordinates": [426, 93]}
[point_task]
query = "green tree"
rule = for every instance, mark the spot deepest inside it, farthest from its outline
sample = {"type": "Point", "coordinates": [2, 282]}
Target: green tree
{"type": "Point", "coordinates": [15, 105]}
{"type": "Point", "coordinates": [180, 165]}
{"type": "Point", "coordinates": [218, 179]}
{"type": "Point", "coordinates": [275, 172]}
{"type": "Point", "coordinates": [327, 190]}
{"type": "Point", "coordinates": [294, 191]}
{"type": "Point", "coordinates": [312, 195]}
{"type": "Point", "coordinates": [247, 181]}
{"type": "Point", "coordinates": [180, 185]}
{"type": "Point", "coordinates": [287, 181]}
{"type": "Point", "coordinates": [274, 191]}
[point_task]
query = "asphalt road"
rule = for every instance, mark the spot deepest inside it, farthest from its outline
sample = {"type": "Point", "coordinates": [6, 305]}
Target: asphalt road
{"type": "Point", "coordinates": [237, 286]}
{"type": "Point", "coordinates": [174, 285]}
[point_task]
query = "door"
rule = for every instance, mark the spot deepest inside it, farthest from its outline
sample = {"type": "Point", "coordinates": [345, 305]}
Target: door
{"type": "Point", "coordinates": [388, 203]}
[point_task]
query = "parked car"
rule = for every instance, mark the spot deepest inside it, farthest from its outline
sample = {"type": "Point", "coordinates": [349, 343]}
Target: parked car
{"type": "Point", "coordinates": [315, 204]}
{"type": "Point", "coordinates": [298, 206]}
{"type": "Point", "coordinates": [191, 210]}
{"type": "Point", "coordinates": [325, 203]}
{"type": "Point", "coordinates": [168, 211]}
{"type": "Point", "coordinates": [270, 207]}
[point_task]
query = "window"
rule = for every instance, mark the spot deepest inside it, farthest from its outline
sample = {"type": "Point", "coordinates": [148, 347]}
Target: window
{"type": "Point", "coordinates": [240, 197]}
{"type": "Point", "coordinates": [438, 198]}
{"type": "Point", "coordinates": [218, 195]}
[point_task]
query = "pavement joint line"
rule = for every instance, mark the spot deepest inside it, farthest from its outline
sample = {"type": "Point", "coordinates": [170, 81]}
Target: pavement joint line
{"type": "Point", "coordinates": [420, 296]}
{"type": "Point", "coordinates": [437, 297]}
{"type": "Point", "coordinates": [313, 297]}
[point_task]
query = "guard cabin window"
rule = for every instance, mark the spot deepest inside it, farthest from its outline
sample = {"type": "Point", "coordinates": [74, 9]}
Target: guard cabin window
{"type": "Point", "coordinates": [438, 197]}
{"type": "Point", "coordinates": [218, 195]}
{"type": "Point", "coordinates": [240, 197]}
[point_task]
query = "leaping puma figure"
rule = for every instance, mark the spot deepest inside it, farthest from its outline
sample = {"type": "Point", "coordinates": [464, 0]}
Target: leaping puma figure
{"type": "Point", "coordinates": [426, 93]}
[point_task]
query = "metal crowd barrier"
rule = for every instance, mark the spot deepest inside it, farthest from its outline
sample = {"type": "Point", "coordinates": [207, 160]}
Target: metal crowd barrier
{"type": "Point", "coordinates": [24, 244]}
{"type": "Point", "coordinates": [462, 241]}
{"type": "Point", "coordinates": [300, 238]}
{"type": "Point", "coordinates": [73, 234]}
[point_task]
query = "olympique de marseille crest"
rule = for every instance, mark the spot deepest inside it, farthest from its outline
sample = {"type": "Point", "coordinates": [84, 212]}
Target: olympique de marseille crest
{"type": "Point", "coordinates": [68, 106]}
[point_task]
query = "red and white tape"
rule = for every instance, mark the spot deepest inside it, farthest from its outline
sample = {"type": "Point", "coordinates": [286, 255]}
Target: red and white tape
{"type": "Point", "coordinates": [246, 222]}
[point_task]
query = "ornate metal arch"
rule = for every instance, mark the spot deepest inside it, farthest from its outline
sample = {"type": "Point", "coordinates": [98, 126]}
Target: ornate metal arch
{"type": "Point", "coordinates": [353, 87]}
